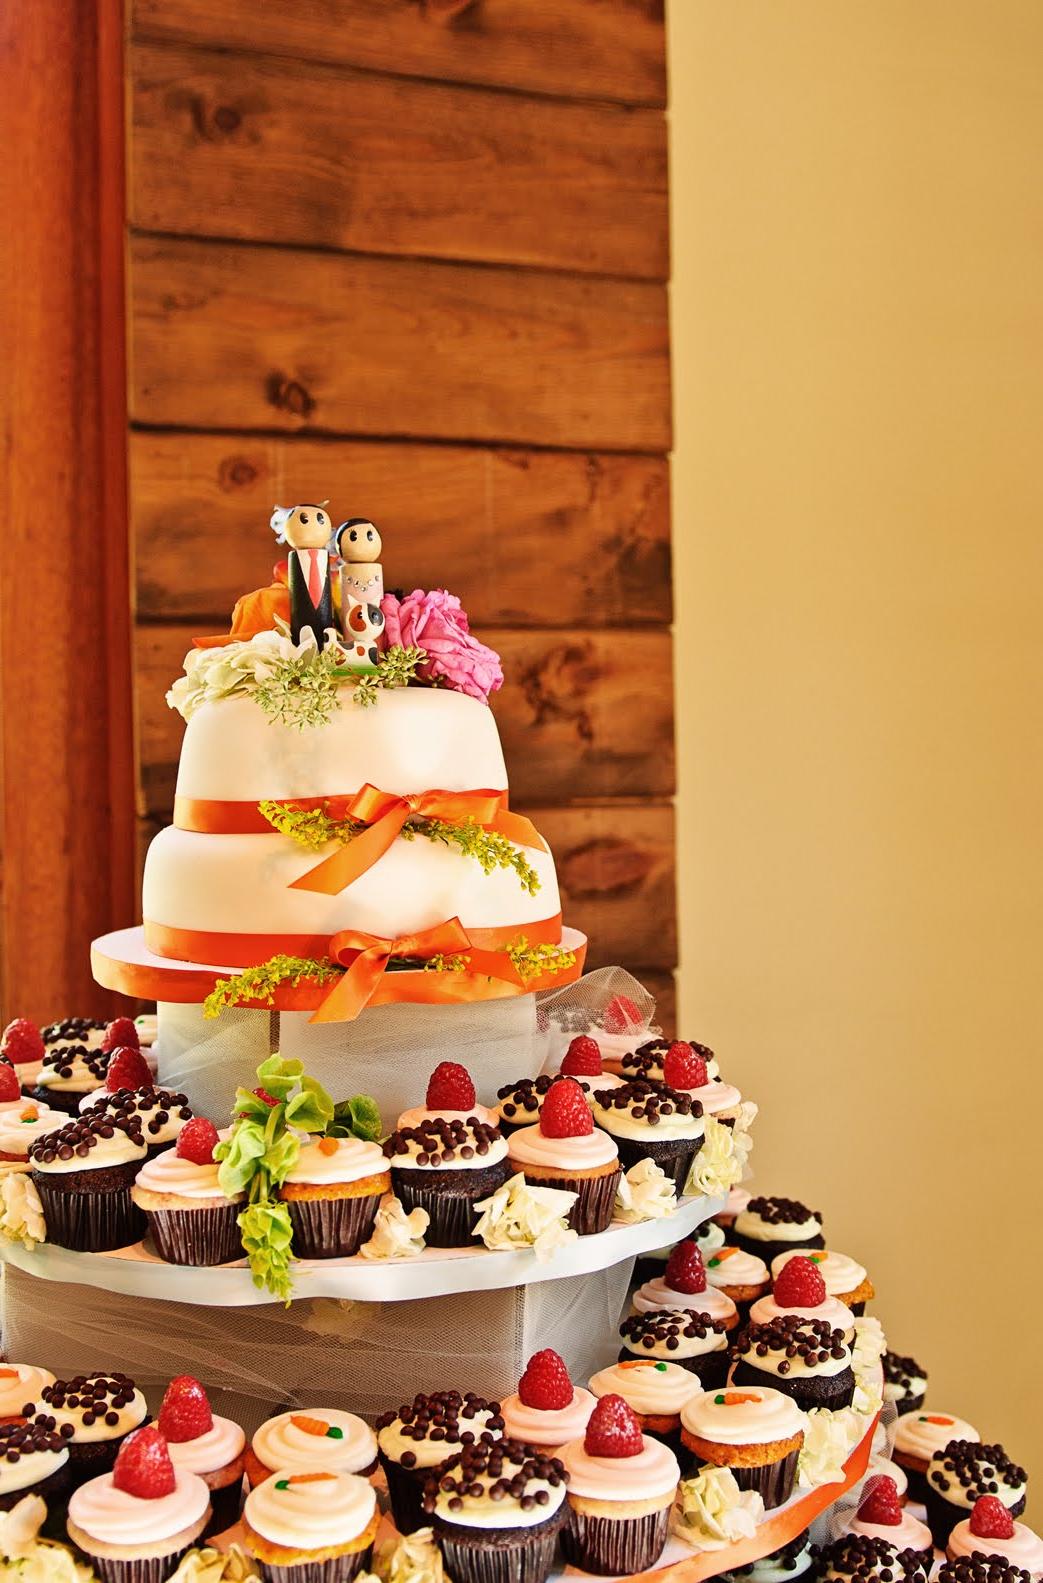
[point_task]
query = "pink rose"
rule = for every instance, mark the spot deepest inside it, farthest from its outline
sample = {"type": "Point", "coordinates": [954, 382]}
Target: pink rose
{"type": "Point", "coordinates": [437, 623]}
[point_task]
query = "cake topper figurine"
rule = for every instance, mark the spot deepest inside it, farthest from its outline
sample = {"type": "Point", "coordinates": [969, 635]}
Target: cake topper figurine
{"type": "Point", "coordinates": [361, 574]}
{"type": "Point", "coordinates": [306, 529]}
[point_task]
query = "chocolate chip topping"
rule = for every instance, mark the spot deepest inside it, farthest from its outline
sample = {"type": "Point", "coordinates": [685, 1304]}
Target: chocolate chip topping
{"type": "Point", "coordinates": [95, 1397]}
{"type": "Point", "coordinates": [60, 1060]}
{"type": "Point", "coordinates": [648, 1101]}
{"type": "Point", "coordinates": [79, 1137]}
{"type": "Point", "coordinates": [666, 1326]}
{"type": "Point", "coordinates": [814, 1341]}
{"type": "Point", "coordinates": [647, 1060]}
{"type": "Point", "coordinates": [782, 1211]}
{"type": "Point", "coordinates": [863, 1556]}
{"type": "Point", "coordinates": [21, 1440]}
{"type": "Point", "coordinates": [504, 1469]}
{"type": "Point", "coordinates": [976, 1469]}
{"type": "Point", "coordinates": [71, 1029]}
{"type": "Point", "coordinates": [980, 1568]}
{"type": "Point", "coordinates": [525, 1097]}
{"type": "Point", "coordinates": [902, 1372]}
{"type": "Point", "coordinates": [152, 1107]}
{"type": "Point", "coordinates": [441, 1141]}
{"type": "Point", "coordinates": [445, 1416]}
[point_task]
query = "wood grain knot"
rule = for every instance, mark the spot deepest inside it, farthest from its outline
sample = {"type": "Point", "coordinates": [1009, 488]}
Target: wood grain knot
{"type": "Point", "coordinates": [556, 686]}
{"type": "Point", "coordinates": [289, 395]}
{"type": "Point", "coordinates": [602, 868]}
{"type": "Point", "coordinates": [236, 472]}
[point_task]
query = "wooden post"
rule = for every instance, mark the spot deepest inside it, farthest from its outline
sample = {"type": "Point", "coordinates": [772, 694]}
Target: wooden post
{"type": "Point", "coordinates": [66, 729]}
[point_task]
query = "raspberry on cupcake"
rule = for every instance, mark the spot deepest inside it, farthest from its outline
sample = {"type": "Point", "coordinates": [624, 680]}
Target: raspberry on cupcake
{"type": "Point", "coordinates": [708, 1238]}
{"type": "Point", "coordinates": [34, 1460]}
{"type": "Point", "coordinates": [83, 1174]}
{"type": "Point", "coordinates": [317, 1525]}
{"type": "Point", "coordinates": [800, 1290]}
{"type": "Point", "coordinates": [94, 1413]}
{"type": "Point", "coordinates": [446, 1168]}
{"type": "Point", "coordinates": [770, 1226]}
{"type": "Point", "coordinates": [960, 1473]}
{"type": "Point", "coordinates": [200, 1441]}
{"type": "Point", "coordinates": [696, 1341]}
{"type": "Point", "coordinates": [420, 1436]}
{"type": "Point", "coordinates": [547, 1410]}
{"type": "Point", "coordinates": [756, 1434]}
{"type": "Point", "coordinates": [20, 1385]}
{"type": "Point", "coordinates": [880, 1515]}
{"type": "Point", "coordinates": [497, 1508]}
{"type": "Point", "coordinates": [582, 1061]}
{"type": "Point", "coordinates": [686, 1070]}
{"type": "Point", "coordinates": [649, 1059]}
{"type": "Point", "coordinates": [189, 1217]}
{"type": "Point", "coordinates": [845, 1278]}
{"type": "Point", "coordinates": [858, 1558]}
{"type": "Point", "coordinates": [450, 1096]}
{"type": "Point", "coordinates": [905, 1382]}
{"type": "Point", "coordinates": [315, 1437]}
{"type": "Point", "coordinates": [333, 1192]}
{"type": "Point", "coordinates": [918, 1436]}
{"type": "Point", "coordinates": [804, 1358]}
{"type": "Point", "coordinates": [990, 1531]}
{"type": "Point", "coordinates": [135, 1523]}
{"type": "Point", "coordinates": [685, 1284]}
{"type": "Point", "coordinates": [654, 1390]}
{"type": "Point", "coordinates": [564, 1150]}
{"type": "Point", "coordinates": [649, 1121]}
{"type": "Point", "coordinates": [622, 1485]}
{"type": "Point", "coordinates": [22, 1045]}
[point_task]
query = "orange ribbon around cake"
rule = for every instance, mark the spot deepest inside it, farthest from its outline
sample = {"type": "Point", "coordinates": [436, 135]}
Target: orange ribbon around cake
{"type": "Point", "coordinates": [365, 959]}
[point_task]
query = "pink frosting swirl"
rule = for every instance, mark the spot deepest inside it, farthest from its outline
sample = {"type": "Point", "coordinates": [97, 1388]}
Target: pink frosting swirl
{"type": "Point", "coordinates": [1023, 1549]}
{"type": "Point", "coordinates": [538, 1426]}
{"type": "Point", "coordinates": [909, 1534]}
{"type": "Point", "coordinates": [652, 1472]}
{"type": "Point", "coordinates": [209, 1452]}
{"type": "Point", "coordinates": [114, 1517]}
{"type": "Point", "coordinates": [530, 1146]}
{"type": "Point", "coordinates": [656, 1294]}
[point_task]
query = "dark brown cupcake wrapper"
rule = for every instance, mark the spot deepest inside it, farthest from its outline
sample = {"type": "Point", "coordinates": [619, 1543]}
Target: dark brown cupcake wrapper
{"type": "Point", "coordinates": [592, 1211]}
{"type": "Point", "coordinates": [340, 1569]}
{"type": "Point", "coordinates": [153, 1569]}
{"type": "Point", "coordinates": [810, 1390]}
{"type": "Point", "coordinates": [673, 1156]}
{"type": "Point", "coordinates": [227, 1505]}
{"type": "Point", "coordinates": [710, 1368]}
{"type": "Point", "coordinates": [406, 1494]}
{"type": "Point", "coordinates": [615, 1546]}
{"type": "Point", "coordinates": [197, 1236]}
{"type": "Point", "coordinates": [449, 1198]}
{"type": "Point", "coordinates": [331, 1228]}
{"type": "Point", "coordinates": [500, 1555]}
{"type": "Point", "coordinates": [89, 1222]}
{"type": "Point", "coordinates": [773, 1481]}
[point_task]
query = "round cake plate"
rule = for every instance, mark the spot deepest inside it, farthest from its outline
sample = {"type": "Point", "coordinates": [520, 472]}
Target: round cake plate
{"type": "Point", "coordinates": [437, 1272]}
{"type": "Point", "coordinates": [123, 962]}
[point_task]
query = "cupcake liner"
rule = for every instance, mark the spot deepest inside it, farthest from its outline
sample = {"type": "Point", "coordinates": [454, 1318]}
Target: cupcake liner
{"type": "Point", "coordinates": [500, 1555]}
{"type": "Point", "coordinates": [810, 1390]}
{"type": "Point", "coordinates": [406, 1494]}
{"type": "Point", "coordinates": [338, 1569]}
{"type": "Point", "coordinates": [674, 1156]}
{"type": "Point", "coordinates": [918, 1487]}
{"type": "Point", "coordinates": [943, 1515]}
{"type": "Point", "coordinates": [611, 1546]}
{"type": "Point", "coordinates": [197, 1236]}
{"type": "Point", "coordinates": [773, 1482]}
{"type": "Point", "coordinates": [331, 1228]}
{"type": "Point", "coordinates": [592, 1211]}
{"type": "Point", "coordinates": [89, 1222]}
{"type": "Point", "coordinates": [153, 1569]}
{"type": "Point", "coordinates": [449, 1198]}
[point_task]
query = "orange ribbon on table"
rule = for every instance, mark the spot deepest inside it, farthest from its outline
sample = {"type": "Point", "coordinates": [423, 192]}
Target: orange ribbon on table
{"type": "Point", "coordinates": [365, 958]}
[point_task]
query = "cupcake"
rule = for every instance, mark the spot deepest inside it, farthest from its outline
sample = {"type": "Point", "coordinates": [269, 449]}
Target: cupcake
{"type": "Point", "coordinates": [519, 1104]}
{"type": "Point", "coordinates": [200, 1441]}
{"type": "Point", "coordinates": [739, 1275]}
{"type": "Point", "coordinates": [21, 1044]}
{"type": "Point", "coordinates": [189, 1218]}
{"type": "Point", "coordinates": [905, 1382]}
{"type": "Point", "coordinates": [450, 1097]}
{"type": "Point", "coordinates": [696, 1341]}
{"type": "Point", "coordinates": [159, 1113]}
{"type": "Point", "coordinates": [418, 1438]}
{"type": "Point", "coordinates": [800, 1290]}
{"type": "Point", "coordinates": [982, 1569]}
{"type": "Point", "coordinates": [845, 1278]}
{"type": "Point", "coordinates": [708, 1238]}
{"type": "Point", "coordinates": [565, 1150]}
{"type": "Point", "coordinates": [622, 1485]}
{"type": "Point", "coordinates": [318, 1437]}
{"type": "Point", "coordinates": [20, 1385]}
{"type": "Point", "coordinates": [649, 1121]}
{"type": "Point", "coordinates": [880, 1515]}
{"type": "Point", "coordinates": [135, 1523]}
{"type": "Point", "coordinates": [649, 1059]}
{"type": "Point", "coordinates": [804, 1358]}
{"type": "Point", "coordinates": [991, 1531]}
{"type": "Point", "coordinates": [20, 1127]}
{"type": "Point", "coordinates": [959, 1474]}
{"type": "Point", "coordinates": [654, 1391]}
{"type": "Point", "coordinates": [445, 1168]}
{"type": "Point", "coordinates": [333, 1192]}
{"type": "Point", "coordinates": [83, 1174]}
{"type": "Point", "coordinates": [857, 1558]}
{"type": "Point", "coordinates": [685, 1069]}
{"type": "Point", "coordinates": [770, 1226]}
{"type": "Point", "coordinates": [918, 1436]}
{"type": "Point", "coordinates": [509, 1536]}
{"type": "Point", "coordinates": [790, 1561]}
{"type": "Point", "coordinates": [548, 1410]}
{"type": "Point", "coordinates": [94, 1414]}
{"type": "Point", "coordinates": [684, 1284]}
{"type": "Point", "coordinates": [735, 1203]}
{"type": "Point", "coordinates": [69, 1071]}
{"type": "Point", "coordinates": [316, 1526]}
{"type": "Point", "coordinates": [756, 1434]}
{"type": "Point", "coordinates": [34, 1460]}
{"type": "Point", "coordinates": [88, 1031]}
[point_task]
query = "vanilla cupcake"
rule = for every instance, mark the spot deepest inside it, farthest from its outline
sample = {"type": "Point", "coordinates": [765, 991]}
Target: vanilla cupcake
{"type": "Point", "coordinates": [622, 1485]}
{"type": "Point", "coordinates": [503, 1537]}
{"type": "Point", "coordinates": [756, 1434]}
{"type": "Point", "coordinates": [845, 1278]}
{"type": "Point", "coordinates": [135, 1523]}
{"type": "Point", "coordinates": [804, 1358]}
{"type": "Point", "coordinates": [420, 1435]}
{"type": "Point", "coordinates": [655, 1391]}
{"type": "Point", "coordinates": [685, 1284]}
{"type": "Point", "coordinates": [771, 1226]}
{"type": "Point", "coordinates": [738, 1198]}
{"type": "Point", "coordinates": [94, 1413]}
{"type": "Point", "coordinates": [316, 1437]}
{"type": "Point", "coordinates": [189, 1217]}
{"type": "Point", "coordinates": [918, 1436]}
{"type": "Point", "coordinates": [565, 1150]}
{"type": "Point", "coordinates": [317, 1525]}
{"type": "Point", "coordinates": [547, 1410]}
{"type": "Point", "coordinates": [20, 1385]}
{"type": "Point", "coordinates": [649, 1121]}
{"type": "Point", "coordinates": [694, 1340]}
{"type": "Point", "coordinates": [333, 1192]}
{"type": "Point", "coordinates": [739, 1275]}
{"type": "Point", "coordinates": [991, 1531]}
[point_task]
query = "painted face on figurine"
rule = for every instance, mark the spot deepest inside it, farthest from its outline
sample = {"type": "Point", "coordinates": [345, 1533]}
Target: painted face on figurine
{"type": "Point", "coordinates": [307, 527]}
{"type": "Point", "coordinates": [358, 540]}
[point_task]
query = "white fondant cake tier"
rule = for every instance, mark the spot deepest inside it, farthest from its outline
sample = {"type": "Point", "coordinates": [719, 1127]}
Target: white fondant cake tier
{"type": "Point", "coordinates": [411, 740]}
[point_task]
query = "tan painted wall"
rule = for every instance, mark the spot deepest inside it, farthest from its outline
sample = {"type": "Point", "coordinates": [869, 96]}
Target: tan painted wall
{"type": "Point", "coordinates": [858, 335]}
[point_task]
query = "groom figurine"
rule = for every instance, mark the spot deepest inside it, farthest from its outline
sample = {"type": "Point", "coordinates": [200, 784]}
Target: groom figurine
{"type": "Point", "coordinates": [306, 529]}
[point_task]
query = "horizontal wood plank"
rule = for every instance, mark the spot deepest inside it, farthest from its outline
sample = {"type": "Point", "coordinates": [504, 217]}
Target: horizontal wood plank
{"type": "Point", "coordinates": [539, 538]}
{"type": "Point", "coordinates": [220, 148]}
{"type": "Point", "coordinates": [581, 715]}
{"type": "Point", "coordinates": [227, 336]}
{"type": "Point", "coordinates": [601, 49]}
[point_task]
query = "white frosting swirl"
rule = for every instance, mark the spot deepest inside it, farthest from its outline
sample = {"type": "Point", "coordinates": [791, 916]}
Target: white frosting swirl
{"type": "Point", "coordinates": [352, 1159]}
{"type": "Point", "coordinates": [728, 1266]}
{"type": "Point", "coordinates": [656, 1294]}
{"type": "Point", "coordinates": [421, 1113]}
{"type": "Point", "coordinates": [81, 1079]}
{"type": "Point", "coordinates": [120, 1149]}
{"type": "Point", "coordinates": [114, 1517]}
{"type": "Point", "coordinates": [622, 1123]}
{"type": "Point", "coordinates": [715, 1097]}
{"type": "Point", "coordinates": [694, 1346]}
{"type": "Point", "coordinates": [169, 1173]}
{"type": "Point", "coordinates": [312, 1515]}
{"type": "Point", "coordinates": [1023, 1549]}
{"type": "Point", "coordinates": [798, 1368]}
{"type": "Point", "coordinates": [748, 1223]}
{"type": "Point", "coordinates": [20, 1384]}
{"type": "Point", "coordinates": [710, 1236]}
{"type": "Point", "coordinates": [540, 1426]}
{"type": "Point", "coordinates": [831, 1310]}
{"type": "Point", "coordinates": [127, 1418]}
{"type": "Point", "coordinates": [284, 1443]}
{"type": "Point", "coordinates": [921, 1434]}
{"type": "Point", "coordinates": [428, 1453]}
{"type": "Point", "coordinates": [31, 1468]}
{"type": "Point", "coordinates": [207, 1453]}
{"type": "Point", "coordinates": [652, 1472]}
{"type": "Point", "coordinates": [21, 1125]}
{"type": "Point", "coordinates": [530, 1146]}
{"type": "Point", "coordinates": [480, 1510]}
{"type": "Point", "coordinates": [497, 1151]}
{"type": "Point", "coordinates": [749, 1415]}
{"type": "Point", "coordinates": [650, 1386]}
{"type": "Point", "coordinates": [840, 1273]}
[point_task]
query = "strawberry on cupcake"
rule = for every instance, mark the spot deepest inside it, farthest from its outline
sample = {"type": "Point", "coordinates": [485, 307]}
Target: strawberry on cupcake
{"type": "Point", "coordinates": [547, 1410]}
{"type": "Point", "coordinates": [881, 1515]}
{"type": "Point", "coordinates": [450, 1096]}
{"type": "Point", "coordinates": [22, 1045]}
{"type": "Point", "coordinates": [200, 1441]}
{"type": "Point", "coordinates": [799, 1289]}
{"type": "Point", "coordinates": [622, 1485]}
{"type": "Point", "coordinates": [135, 1523]}
{"type": "Point", "coordinates": [129, 1091]}
{"type": "Point", "coordinates": [684, 1284]}
{"type": "Point", "coordinates": [190, 1219]}
{"type": "Point", "coordinates": [845, 1278]}
{"type": "Point", "coordinates": [991, 1531]}
{"type": "Point", "coordinates": [564, 1150]}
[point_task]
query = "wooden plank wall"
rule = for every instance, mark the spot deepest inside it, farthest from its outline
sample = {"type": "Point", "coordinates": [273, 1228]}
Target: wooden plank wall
{"type": "Point", "coordinates": [411, 255]}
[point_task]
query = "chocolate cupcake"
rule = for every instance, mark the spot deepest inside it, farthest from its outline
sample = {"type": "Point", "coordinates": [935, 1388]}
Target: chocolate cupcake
{"type": "Point", "coordinates": [784, 1565]}
{"type": "Point", "coordinates": [497, 1508]}
{"type": "Point", "coordinates": [333, 1192]}
{"type": "Point", "coordinates": [905, 1382]}
{"type": "Point", "coordinates": [983, 1569]}
{"type": "Point", "coordinates": [565, 1150]}
{"type": "Point", "coordinates": [159, 1113]}
{"type": "Point", "coordinates": [857, 1558]}
{"type": "Point", "coordinates": [94, 1414]}
{"type": "Point", "coordinates": [918, 1435]}
{"type": "Point", "coordinates": [771, 1226]}
{"type": "Point", "coordinates": [696, 1341]}
{"type": "Point", "coordinates": [960, 1473]}
{"type": "Point", "coordinates": [756, 1434]}
{"type": "Point", "coordinates": [649, 1121]}
{"type": "Point", "coordinates": [804, 1358]}
{"type": "Point", "coordinates": [649, 1058]}
{"type": "Point", "coordinates": [622, 1485]}
{"type": "Point", "coordinates": [445, 1168]}
{"type": "Point", "coordinates": [34, 1460]}
{"type": "Point", "coordinates": [418, 1438]}
{"type": "Point", "coordinates": [84, 1174]}
{"type": "Point", "coordinates": [88, 1031]}
{"type": "Point", "coordinates": [881, 1515]}
{"type": "Point", "coordinates": [69, 1073]}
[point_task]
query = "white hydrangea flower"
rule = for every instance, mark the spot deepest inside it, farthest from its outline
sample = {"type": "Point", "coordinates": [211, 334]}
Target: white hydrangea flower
{"type": "Point", "coordinates": [411, 1558]}
{"type": "Point", "coordinates": [21, 1213]}
{"type": "Point", "coordinates": [711, 1510]}
{"type": "Point", "coordinates": [519, 1216]}
{"type": "Point", "coordinates": [396, 1235]}
{"type": "Point", "coordinates": [644, 1193]}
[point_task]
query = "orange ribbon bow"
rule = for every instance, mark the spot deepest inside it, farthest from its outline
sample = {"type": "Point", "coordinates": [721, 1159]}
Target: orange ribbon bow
{"type": "Point", "coordinates": [365, 958]}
